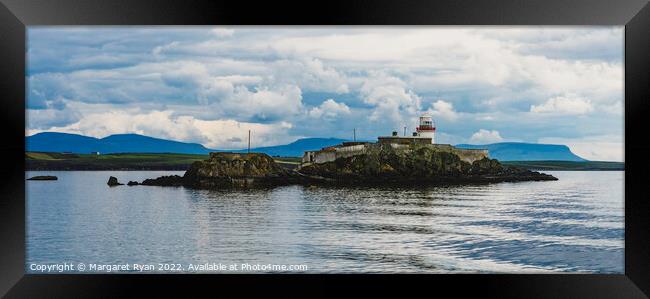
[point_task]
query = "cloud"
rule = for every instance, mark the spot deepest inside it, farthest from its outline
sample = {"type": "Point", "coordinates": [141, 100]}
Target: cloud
{"type": "Point", "coordinates": [310, 74]}
{"type": "Point", "coordinates": [485, 117]}
{"type": "Point", "coordinates": [564, 105]}
{"type": "Point", "coordinates": [581, 43]}
{"type": "Point", "coordinates": [47, 118]}
{"type": "Point", "coordinates": [159, 50]}
{"type": "Point", "coordinates": [220, 134]}
{"type": "Point", "coordinates": [390, 98]}
{"type": "Point", "coordinates": [223, 32]}
{"type": "Point", "coordinates": [263, 103]}
{"type": "Point", "coordinates": [483, 136]}
{"type": "Point", "coordinates": [444, 110]}
{"type": "Point", "coordinates": [517, 78]}
{"type": "Point", "coordinates": [329, 110]}
{"type": "Point", "coordinates": [594, 147]}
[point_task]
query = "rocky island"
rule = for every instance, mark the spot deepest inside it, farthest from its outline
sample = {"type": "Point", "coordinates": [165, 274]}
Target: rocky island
{"type": "Point", "coordinates": [392, 160]}
{"type": "Point", "coordinates": [416, 164]}
{"type": "Point", "coordinates": [379, 164]}
{"type": "Point", "coordinates": [43, 178]}
{"type": "Point", "coordinates": [231, 170]}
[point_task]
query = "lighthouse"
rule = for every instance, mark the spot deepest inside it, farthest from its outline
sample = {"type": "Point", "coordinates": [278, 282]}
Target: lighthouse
{"type": "Point", "coordinates": [426, 129]}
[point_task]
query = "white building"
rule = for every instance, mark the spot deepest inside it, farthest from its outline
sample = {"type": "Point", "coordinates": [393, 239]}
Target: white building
{"type": "Point", "coordinates": [425, 132]}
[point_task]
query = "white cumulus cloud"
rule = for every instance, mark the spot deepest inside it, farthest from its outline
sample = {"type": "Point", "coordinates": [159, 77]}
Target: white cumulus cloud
{"type": "Point", "coordinates": [223, 32]}
{"type": "Point", "coordinates": [564, 105]}
{"type": "Point", "coordinates": [216, 134]}
{"type": "Point", "coordinates": [515, 77]}
{"type": "Point", "coordinates": [483, 136]}
{"type": "Point", "coordinates": [444, 110]}
{"type": "Point", "coordinates": [392, 100]}
{"type": "Point", "coordinates": [329, 110]}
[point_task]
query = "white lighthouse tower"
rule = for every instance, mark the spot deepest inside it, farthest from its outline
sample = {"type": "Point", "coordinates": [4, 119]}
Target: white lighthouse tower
{"type": "Point", "coordinates": [427, 128]}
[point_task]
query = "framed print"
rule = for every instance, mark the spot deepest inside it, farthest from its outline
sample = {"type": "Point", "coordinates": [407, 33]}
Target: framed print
{"type": "Point", "coordinates": [370, 144]}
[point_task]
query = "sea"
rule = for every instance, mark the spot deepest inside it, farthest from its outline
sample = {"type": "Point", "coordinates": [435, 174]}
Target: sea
{"type": "Point", "coordinates": [573, 225]}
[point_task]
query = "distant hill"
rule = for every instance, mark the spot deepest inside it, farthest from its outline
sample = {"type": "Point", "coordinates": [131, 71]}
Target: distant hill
{"type": "Point", "coordinates": [134, 143]}
{"type": "Point", "coordinates": [296, 148]}
{"type": "Point", "coordinates": [516, 151]}
{"type": "Point", "coordinates": [121, 143]}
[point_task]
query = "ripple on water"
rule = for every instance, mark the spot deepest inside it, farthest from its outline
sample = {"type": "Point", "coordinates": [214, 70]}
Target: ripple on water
{"type": "Point", "coordinates": [574, 224]}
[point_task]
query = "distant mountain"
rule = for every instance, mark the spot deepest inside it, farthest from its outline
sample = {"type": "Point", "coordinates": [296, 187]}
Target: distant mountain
{"type": "Point", "coordinates": [296, 148]}
{"type": "Point", "coordinates": [133, 143]}
{"type": "Point", "coordinates": [516, 151]}
{"type": "Point", "coordinates": [61, 142]}
{"type": "Point", "coordinates": [121, 143]}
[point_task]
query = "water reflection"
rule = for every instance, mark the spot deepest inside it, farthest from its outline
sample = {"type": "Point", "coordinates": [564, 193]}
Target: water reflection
{"type": "Point", "coordinates": [574, 224]}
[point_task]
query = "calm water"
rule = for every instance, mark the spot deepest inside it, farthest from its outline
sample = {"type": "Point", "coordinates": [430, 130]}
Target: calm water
{"type": "Point", "coordinates": [574, 225]}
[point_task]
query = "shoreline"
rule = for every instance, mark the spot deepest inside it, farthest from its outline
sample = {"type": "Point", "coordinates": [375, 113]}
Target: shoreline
{"type": "Point", "coordinates": [182, 162]}
{"type": "Point", "coordinates": [172, 169]}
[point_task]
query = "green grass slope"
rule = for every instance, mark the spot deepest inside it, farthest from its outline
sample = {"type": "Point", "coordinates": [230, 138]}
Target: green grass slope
{"type": "Point", "coordinates": [126, 161]}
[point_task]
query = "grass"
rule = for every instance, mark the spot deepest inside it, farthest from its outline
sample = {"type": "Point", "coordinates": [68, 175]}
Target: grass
{"type": "Point", "coordinates": [123, 161]}
{"type": "Point", "coordinates": [126, 161]}
{"type": "Point", "coordinates": [49, 156]}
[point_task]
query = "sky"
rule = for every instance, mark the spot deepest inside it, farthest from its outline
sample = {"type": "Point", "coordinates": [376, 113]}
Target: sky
{"type": "Point", "coordinates": [210, 85]}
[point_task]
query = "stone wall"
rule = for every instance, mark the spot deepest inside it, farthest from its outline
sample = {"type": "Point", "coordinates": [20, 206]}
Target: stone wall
{"type": "Point", "coordinates": [308, 157]}
{"type": "Point", "coordinates": [324, 156]}
{"type": "Point", "coordinates": [349, 151]}
{"type": "Point", "coordinates": [467, 155]}
{"type": "Point", "coordinates": [471, 155]}
{"type": "Point", "coordinates": [403, 140]}
{"type": "Point", "coordinates": [333, 153]}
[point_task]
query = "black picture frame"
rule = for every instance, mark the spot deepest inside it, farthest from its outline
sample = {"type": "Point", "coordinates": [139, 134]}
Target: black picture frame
{"type": "Point", "coordinates": [15, 15]}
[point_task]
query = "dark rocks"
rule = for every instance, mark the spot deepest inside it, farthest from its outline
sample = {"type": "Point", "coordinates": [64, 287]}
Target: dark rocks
{"type": "Point", "coordinates": [132, 183]}
{"type": "Point", "coordinates": [417, 165]}
{"type": "Point", "coordinates": [112, 181]}
{"type": "Point", "coordinates": [379, 165]}
{"type": "Point", "coordinates": [235, 165]}
{"type": "Point", "coordinates": [171, 180]}
{"type": "Point", "coordinates": [486, 166]}
{"type": "Point", "coordinates": [43, 178]}
{"type": "Point", "coordinates": [234, 170]}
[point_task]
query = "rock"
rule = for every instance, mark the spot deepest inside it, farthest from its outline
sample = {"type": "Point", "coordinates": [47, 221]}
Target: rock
{"type": "Point", "coordinates": [172, 180]}
{"type": "Point", "coordinates": [132, 183]}
{"type": "Point", "coordinates": [43, 178]}
{"type": "Point", "coordinates": [381, 164]}
{"type": "Point", "coordinates": [234, 170]}
{"type": "Point", "coordinates": [112, 181]}
{"type": "Point", "coordinates": [417, 165]}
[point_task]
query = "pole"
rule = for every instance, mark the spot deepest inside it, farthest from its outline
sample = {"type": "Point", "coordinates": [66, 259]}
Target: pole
{"type": "Point", "coordinates": [249, 141]}
{"type": "Point", "coordinates": [405, 131]}
{"type": "Point", "coordinates": [354, 138]}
